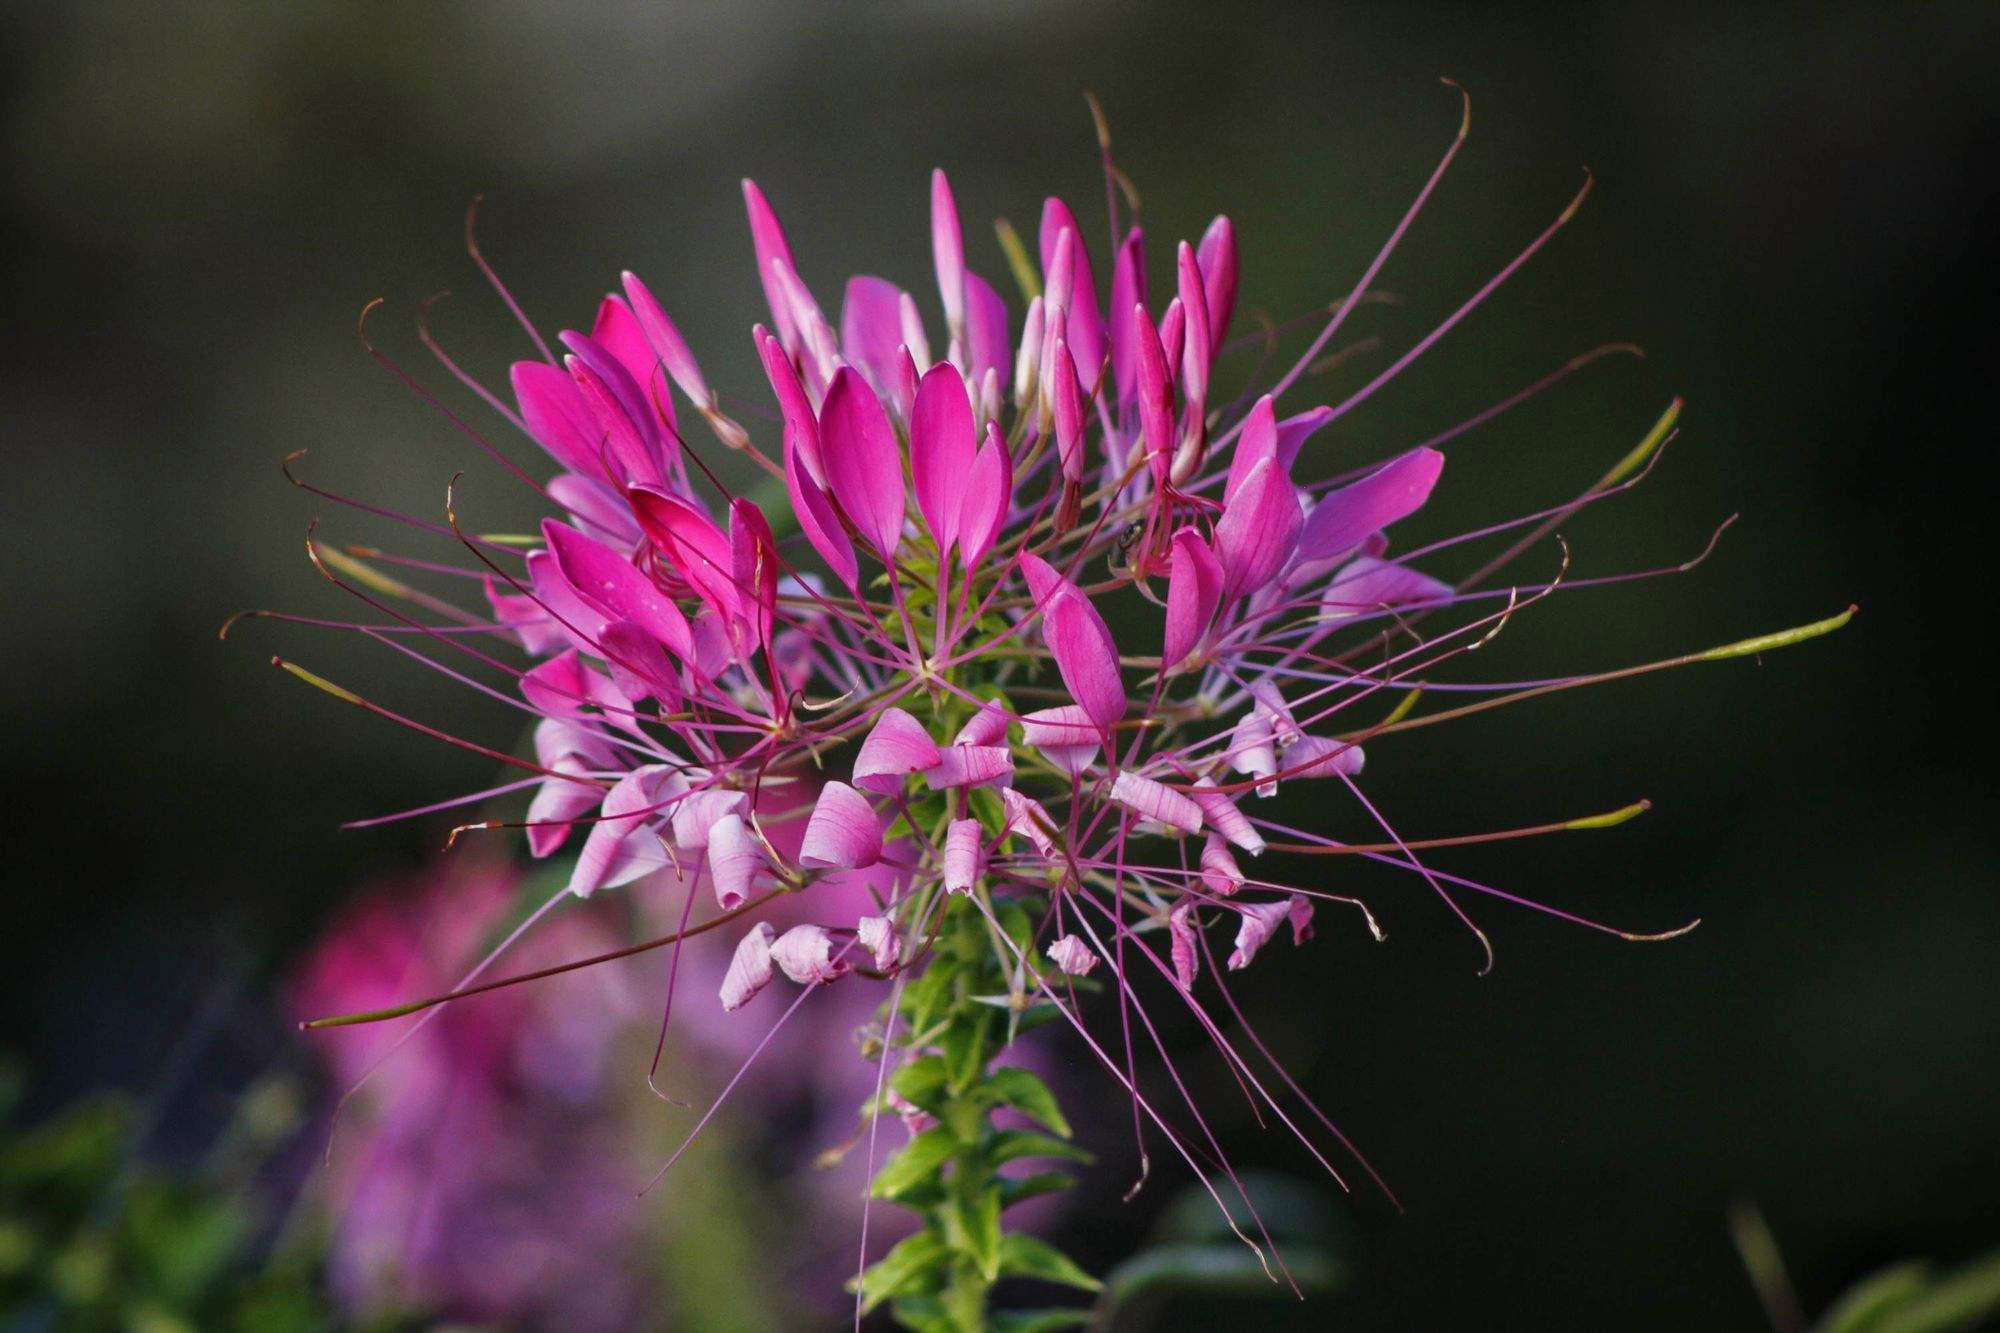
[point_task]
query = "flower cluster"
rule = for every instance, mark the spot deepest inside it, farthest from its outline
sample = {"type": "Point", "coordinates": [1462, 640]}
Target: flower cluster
{"type": "Point", "coordinates": [900, 669]}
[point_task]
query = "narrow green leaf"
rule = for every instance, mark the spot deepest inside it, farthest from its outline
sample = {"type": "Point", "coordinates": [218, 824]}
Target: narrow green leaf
{"type": "Point", "coordinates": [1862, 1306]}
{"type": "Point", "coordinates": [915, 1165]}
{"type": "Point", "coordinates": [1022, 1255]}
{"type": "Point", "coordinates": [1031, 1187]}
{"type": "Point", "coordinates": [1039, 1321]}
{"type": "Point", "coordinates": [1959, 1302]}
{"type": "Point", "coordinates": [1016, 1087]}
{"type": "Point", "coordinates": [979, 1225]}
{"type": "Point", "coordinates": [903, 1270]}
{"type": "Point", "coordinates": [1012, 1144]}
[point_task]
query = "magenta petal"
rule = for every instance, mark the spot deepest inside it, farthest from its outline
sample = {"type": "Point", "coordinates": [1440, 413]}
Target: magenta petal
{"type": "Point", "coordinates": [1068, 413]}
{"type": "Point", "coordinates": [1195, 354]}
{"type": "Point", "coordinates": [1156, 393]}
{"type": "Point", "coordinates": [942, 447]}
{"type": "Point", "coordinates": [1128, 289]}
{"type": "Point", "coordinates": [692, 545]}
{"type": "Point", "coordinates": [1293, 432]}
{"type": "Point", "coordinates": [1368, 584]}
{"type": "Point", "coordinates": [638, 664]}
{"type": "Point", "coordinates": [989, 489]}
{"type": "Point", "coordinates": [843, 830]}
{"type": "Point", "coordinates": [557, 687]}
{"type": "Point", "coordinates": [879, 936]}
{"type": "Point", "coordinates": [896, 746]}
{"type": "Point", "coordinates": [1258, 442]}
{"type": "Point", "coordinates": [1258, 530]}
{"type": "Point", "coordinates": [970, 766]}
{"type": "Point", "coordinates": [563, 747]}
{"type": "Point", "coordinates": [1155, 801]}
{"type": "Point", "coordinates": [615, 585]}
{"type": "Point", "coordinates": [819, 523]}
{"type": "Point", "coordinates": [864, 467]}
{"type": "Point", "coordinates": [1065, 735]}
{"type": "Point", "coordinates": [1217, 256]}
{"type": "Point", "coordinates": [1300, 909]}
{"type": "Point", "coordinates": [749, 967]}
{"type": "Point", "coordinates": [986, 330]}
{"type": "Point", "coordinates": [947, 252]}
{"type": "Point", "coordinates": [1072, 955]}
{"type": "Point", "coordinates": [1085, 317]}
{"type": "Point", "coordinates": [622, 846]}
{"type": "Point", "coordinates": [769, 240]}
{"type": "Point", "coordinates": [734, 858]}
{"type": "Point", "coordinates": [988, 726]}
{"type": "Point", "coordinates": [1181, 934]}
{"type": "Point", "coordinates": [1219, 872]}
{"type": "Point", "coordinates": [557, 417]}
{"type": "Point", "coordinates": [1086, 655]}
{"type": "Point", "coordinates": [963, 843]}
{"type": "Point", "coordinates": [617, 330]}
{"type": "Point", "coordinates": [805, 954]}
{"type": "Point", "coordinates": [1219, 812]}
{"type": "Point", "coordinates": [1194, 589]}
{"type": "Point", "coordinates": [1322, 757]}
{"type": "Point", "coordinates": [871, 328]}
{"type": "Point", "coordinates": [1343, 518]}
{"type": "Point", "coordinates": [801, 426]}
{"type": "Point", "coordinates": [665, 340]}
{"type": "Point", "coordinates": [1260, 921]}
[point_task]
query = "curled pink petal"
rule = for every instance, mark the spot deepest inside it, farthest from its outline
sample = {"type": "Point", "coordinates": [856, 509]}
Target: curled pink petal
{"type": "Point", "coordinates": [1300, 910]}
{"type": "Point", "coordinates": [1252, 753]}
{"type": "Point", "coordinates": [734, 858]}
{"type": "Point", "coordinates": [621, 846]}
{"type": "Point", "coordinates": [879, 936]}
{"type": "Point", "coordinates": [1322, 757]}
{"type": "Point", "coordinates": [970, 766]}
{"type": "Point", "coordinates": [1029, 818]}
{"type": "Point", "coordinates": [1259, 922]}
{"type": "Point", "coordinates": [942, 448]}
{"type": "Point", "coordinates": [988, 726]}
{"type": "Point", "coordinates": [843, 830]}
{"type": "Point", "coordinates": [1269, 702]}
{"type": "Point", "coordinates": [864, 466]}
{"type": "Point", "coordinates": [563, 747]}
{"type": "Point", "coordinates": [1181, 947]}
{"type": "Point", "coordinates": [696, 815]}
{"type": "Point", "coordinates": [1065, 735]}
{"type": "Point", "coordinates": [1155, 801]}
{"type": "Point", "coordinates": [749, 967]}
{"type": "Point", "coordinates": [1344, 517]}
{"type": "Point", "coordinates": [1194, 590]}
{"type": "Point", "coordinates": [805, 954]}
{"type": "Point", "coordinates": [896, 746]}
{"type": "Point", "coordinates": [1220, 874]}
{"type": "Point", "coordinates": [963, 843]}
{"type": "Point", "coordinates": [1220, 813]}
{"type": "Point", "coordinates": [1072, 955]}
{"type": "Point", "coordinates": [1258, 530]}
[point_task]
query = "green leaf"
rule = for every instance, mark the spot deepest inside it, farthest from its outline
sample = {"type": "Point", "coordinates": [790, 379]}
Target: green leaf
{"type": "Point", "coordinates": [915, 1165]}
{"type": "Point", "coordinates": [1860, 1309]}
{"type": "Point", "coordinates": [1031, 1187]}
{"type": "Point", "coordinates": [1232, 1270]}
{"type": "Point", "coordinates": [1012, 1144]}
{"type": "Point", "coordinates": [920, 1081]}
{"type": "Point", "coordinates": [1016, 1087]}
{"type": "Point", "coordinates": [1022, 1255]}
{"type": "Point", "coordinates": [906, 1269]}
{"type": "Point", "coordinates": [979, 1225]}
{"type": "Point", "coordinates": [1962, 1300]}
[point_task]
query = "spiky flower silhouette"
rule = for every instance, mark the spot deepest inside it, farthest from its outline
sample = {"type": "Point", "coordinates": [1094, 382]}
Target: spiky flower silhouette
{"type": "Point", "coordinates": [920, 683]}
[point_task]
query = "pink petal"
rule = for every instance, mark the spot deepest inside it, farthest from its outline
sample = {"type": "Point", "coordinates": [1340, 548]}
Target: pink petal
{"type": "Point", "coordinates": [563, 748]}
{"type": "Point", "coordinates": [1156, 393]}
{"type": "Point", "coordinates": [557, 417]}
{"type": "Point", "coordinates": [665, 341]}
{"type": "Point", "coordinates": [691, 545]}
{"type": "Point", "coordinates": [1068, 410]}
{"type": "Point", "coordinates": [805, 954]}
{"type": "Point", "coordinates": [638, 664]}
{"type": "Point", "coordinates": [734, 858]}
{"type": "Point", "coordinates": [1085, 316]}
{"type": "Point", "coordinates": [1396, 490]}
{"type": "Point", "coordinates": [617, 330]}
{"type": "Point", "coordinates": [626, 421]}
{"type": "Point", "coordinates": [1219, 812]}
{"type": "Point", "coordinates": [801, 426]}
{"type": "Point", "coordinates": [878, 935]}
{"type": "Point", "coordinates": [962, 853]}
{"type": "Point", "coordinates": [843, 830]}
{"type": "Point", "coordinates": [1258, 530]}
{"type": "Point", "coordinates": [1322, 757]}
{"type": "Point", "coordinates": [535, 628]}
{"type": "Point", "coordinates": [1155, 801]}
{"type": "Point", "coordinates": [1219, 872]}
{"type": "Point", "coordinates": [1194, 590]}
{"type": "Point", "coordinates": [749, 967]}
{"type": "Point", "coordinates": [1368, 584]}
{"type": "Point", "coordinates": [1128, 289]}
{"type": "Point", "coordinates": [615, 585]}
{"type": "Point", "coordinates": [1217, 256]}
{"type": "Point", "coordinates": [970, 766]}
{"type": "Point", "coordinates": [1181, 933]}
{"type": "Point", "coordinates": [621, 846]}
{"type": "Point", "coordinates": [1300, 910]}
{"type": "Point", "coordinates": [1065, 735]}
{"type": "Point", "coordinates": [941, 449]}
{"type": "Point", "coordinates": [871, 328]}
{"type": "Point", "coordinates": [557, 687]}
{"type": "Point", "coordinates": [988, 726]}
{"type": "Point", "coordinates": [1293, 432]}
{"type": "Point", "coordinates": [1195, 355]}
{"type": "Point", "coordinates": [1086, 655]}
{"type": "Point", "coordinates": [598, 508]}
{"type": "Point", "coordinates": [1251, 752]}
{"type": "Point", "coordinates": [989, 488]}
{"type": "Point", "coordinates": [986, 344]}
{"type": "Point", "coordinates": [1027, 817]}
{"type": "Point", "coordinates": [1270, 703]}
{"type": "Point", "coordinates": [769, 239]}
{"type": "Point", "coordinates": [818, 521]}
{"type": "Point", "coordinates": [697, 814]}
{"type": "Point", "coordinates": [1072, 955]}
{"type": "Point", "coordinates": [896, 746]}
{"type": "Point", "coordinates": [1259, 922]}
{"type": "Point", "coordinates": [948, 252]}
{"type": "Point", "coordinates": [864, 467]}
{"type": "Point", "coordinates": [1258, 442]}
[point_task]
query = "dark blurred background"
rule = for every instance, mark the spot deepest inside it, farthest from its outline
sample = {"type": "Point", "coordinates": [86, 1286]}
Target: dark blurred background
{"type": "Point", "coordinates": [1790, 212]}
